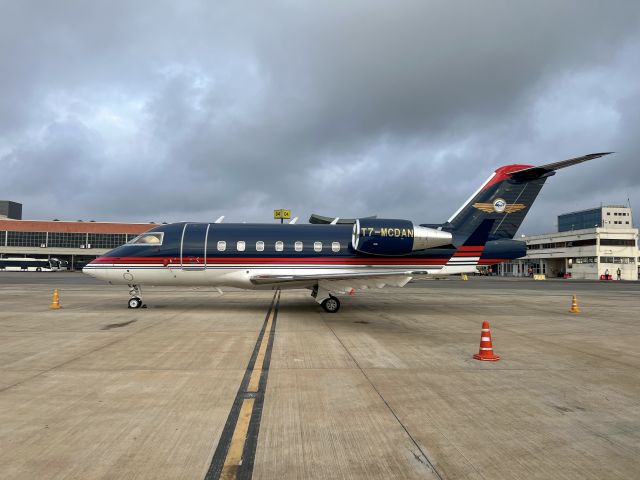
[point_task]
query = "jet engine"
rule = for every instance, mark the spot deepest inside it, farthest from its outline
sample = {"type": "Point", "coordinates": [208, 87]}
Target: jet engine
{"type": "Point", "coordinates": [379, 236]}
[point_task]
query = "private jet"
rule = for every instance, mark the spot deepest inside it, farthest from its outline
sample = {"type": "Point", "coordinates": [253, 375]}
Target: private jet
{"type": "Point", "coordinates": [335, 258]}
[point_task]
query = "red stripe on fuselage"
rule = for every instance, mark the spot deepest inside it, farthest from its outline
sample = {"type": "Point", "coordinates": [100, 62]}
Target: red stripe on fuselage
{"type": "Point", "coordinates": [469, 252]}
{"type": "Point", "coordinates": [175, 261]}
{"type": "Point", "coordinates": [470, 248]}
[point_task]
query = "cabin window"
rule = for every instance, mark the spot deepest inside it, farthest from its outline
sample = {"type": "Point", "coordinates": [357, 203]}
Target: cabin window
{"type": "Point", "coordinates": [240, 246]}
{"type": "Point", "coordinates": [298, 246]}
{"type": "Point", "coordinates": [260, 246]}
{"type": "Point", "coordinates": [317, 246]}
{"type": "Point", "coordinates": [335, 246]}
{"type": "Point", "coordinates": [152, 239]}
{"type": "Point", "coordinates": [279, 246]}
{"type": "Point", "coordinates": [222, 246]}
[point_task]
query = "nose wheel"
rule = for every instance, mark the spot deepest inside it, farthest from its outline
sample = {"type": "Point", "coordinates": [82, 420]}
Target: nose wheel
{"type": "Point", "coordinates": [136, 297]}
{"type": "Point", "coordinates": [135, 302]}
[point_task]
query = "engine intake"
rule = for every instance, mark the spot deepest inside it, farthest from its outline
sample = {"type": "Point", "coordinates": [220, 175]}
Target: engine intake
{"type": "Point", "coordinates": [382, 236]}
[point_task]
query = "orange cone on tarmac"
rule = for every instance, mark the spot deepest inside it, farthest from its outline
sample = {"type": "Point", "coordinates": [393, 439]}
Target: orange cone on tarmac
{"type": "Point", "coordinates": [55, 301]}
{"type": "Point", "coordinates": [574, 305]}
{"type": "Point", "coordinates": [486, 347]}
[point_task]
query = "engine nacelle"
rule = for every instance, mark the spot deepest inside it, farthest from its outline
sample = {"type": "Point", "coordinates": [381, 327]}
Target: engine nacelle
{"type": "Point", "coordinates": [381, 236]}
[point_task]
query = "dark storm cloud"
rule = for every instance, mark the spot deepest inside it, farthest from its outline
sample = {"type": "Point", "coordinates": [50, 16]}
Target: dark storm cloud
{"type": "Point", "coordinates": [189, 110]}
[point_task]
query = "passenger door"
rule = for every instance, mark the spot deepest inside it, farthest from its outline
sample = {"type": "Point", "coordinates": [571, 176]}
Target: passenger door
{"type": "Point", "coordinates": [193, 246]}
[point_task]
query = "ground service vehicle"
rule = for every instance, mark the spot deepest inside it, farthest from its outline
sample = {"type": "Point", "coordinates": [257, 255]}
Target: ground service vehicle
{"type": "Point", "coordinates": [21, 264]}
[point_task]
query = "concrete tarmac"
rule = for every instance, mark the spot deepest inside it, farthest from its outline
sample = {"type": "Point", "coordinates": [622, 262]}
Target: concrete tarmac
{"type": "Point", "coordinates": [386, 388]}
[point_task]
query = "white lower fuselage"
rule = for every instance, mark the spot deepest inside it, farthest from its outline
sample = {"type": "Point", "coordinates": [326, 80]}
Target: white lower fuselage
{"type": "Point", "coordinates": [239, 276]}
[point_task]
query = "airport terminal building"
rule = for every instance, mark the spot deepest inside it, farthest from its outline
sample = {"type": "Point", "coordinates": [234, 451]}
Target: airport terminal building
{"type": "Point", "coordinates": [75, 243]}
{"type": "Point", "coordinates": [588, 244]}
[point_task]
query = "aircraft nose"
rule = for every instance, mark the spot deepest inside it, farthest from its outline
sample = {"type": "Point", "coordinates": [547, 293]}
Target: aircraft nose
{"type": "Point", "coordinates": [90, 268]}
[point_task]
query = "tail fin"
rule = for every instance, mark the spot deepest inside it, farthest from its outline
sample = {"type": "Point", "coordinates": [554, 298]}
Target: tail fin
{"type": "Point", "coordinates": [506, 197]}
{"type": "Point", "coordinates": [469, 253]}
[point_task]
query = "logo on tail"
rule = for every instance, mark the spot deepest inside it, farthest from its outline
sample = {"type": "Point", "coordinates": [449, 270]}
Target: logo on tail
{"type": "Point", "coordinates": [499, 205]}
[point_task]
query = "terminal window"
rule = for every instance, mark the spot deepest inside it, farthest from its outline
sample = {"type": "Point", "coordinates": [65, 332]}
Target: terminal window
{"type": "Point", "coordinates": [67, 240]}
{"type": "Point", "coordinates": [617, 242]}
{"type": "Point", "coordinates": [620, 260]}
{"type": "Point", "coordinates": [580, 220]}
{"type": "Point", "coordinates": [105, 240]}
{"type": "Point", "coordinates": [26, 239]}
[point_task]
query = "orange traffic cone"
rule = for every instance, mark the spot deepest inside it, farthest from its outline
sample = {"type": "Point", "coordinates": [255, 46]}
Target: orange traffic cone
{"type": "Point", "coordinates": [486, 348]}
{"type": "Point", "coordinates": [574, 305]}
{"type": "Point", "coordinates": [55, 301]}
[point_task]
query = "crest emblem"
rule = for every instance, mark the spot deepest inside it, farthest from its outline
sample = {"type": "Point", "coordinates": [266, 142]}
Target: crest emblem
{"type": "Point", "coordinates": [499, 205]}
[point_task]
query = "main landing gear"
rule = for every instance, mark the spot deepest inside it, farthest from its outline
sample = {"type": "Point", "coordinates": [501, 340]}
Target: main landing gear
{"type": "Point", "coordinates": [330, 303]}
{"type": "Point", "coordinates": [136, 297]}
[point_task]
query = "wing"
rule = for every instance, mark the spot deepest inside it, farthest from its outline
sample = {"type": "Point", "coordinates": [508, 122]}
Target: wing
{"type": "Point", "coordinates": [485, 207]}
{"type": "Point", "coordinates": [344, 283]}
{"type": "Point", "coordinates": [363, 283]}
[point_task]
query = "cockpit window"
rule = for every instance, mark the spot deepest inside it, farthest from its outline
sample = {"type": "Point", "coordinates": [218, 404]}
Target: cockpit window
{"type": "Point", "coordinates": [151, 239]}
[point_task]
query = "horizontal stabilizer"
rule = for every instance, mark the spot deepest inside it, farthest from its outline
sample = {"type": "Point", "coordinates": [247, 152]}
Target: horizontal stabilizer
{"type": "Point", "coordinates": [537, 172]}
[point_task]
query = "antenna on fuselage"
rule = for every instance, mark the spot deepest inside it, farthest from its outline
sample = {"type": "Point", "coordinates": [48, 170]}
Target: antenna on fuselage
{"type": "Point", "coordinates": [220, 219]}
{"type": "Point", "coordinates": [334, 221]}
{"type": "Point", "coordinates": [295, 219]}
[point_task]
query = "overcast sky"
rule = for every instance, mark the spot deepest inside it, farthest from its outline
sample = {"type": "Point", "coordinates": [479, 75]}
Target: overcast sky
{"type": "Point", "coordinates": [187, 110]}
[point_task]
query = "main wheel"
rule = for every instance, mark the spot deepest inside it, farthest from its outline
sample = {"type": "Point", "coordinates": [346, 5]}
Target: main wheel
{"type": "Point", "coordinates": [331, 305]}
{"type": "Point", "coordinates": [135, 302]}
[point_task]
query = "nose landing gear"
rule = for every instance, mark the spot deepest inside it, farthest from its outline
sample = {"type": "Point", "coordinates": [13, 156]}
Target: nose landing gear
{"type": "Point", "coordinates": [135, 302]}
{"type": "Point", "coordinates": [136, 297]}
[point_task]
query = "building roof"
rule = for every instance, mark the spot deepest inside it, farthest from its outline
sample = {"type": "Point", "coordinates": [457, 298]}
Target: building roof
{"type": "Point", "coordinates": [73, 227]}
